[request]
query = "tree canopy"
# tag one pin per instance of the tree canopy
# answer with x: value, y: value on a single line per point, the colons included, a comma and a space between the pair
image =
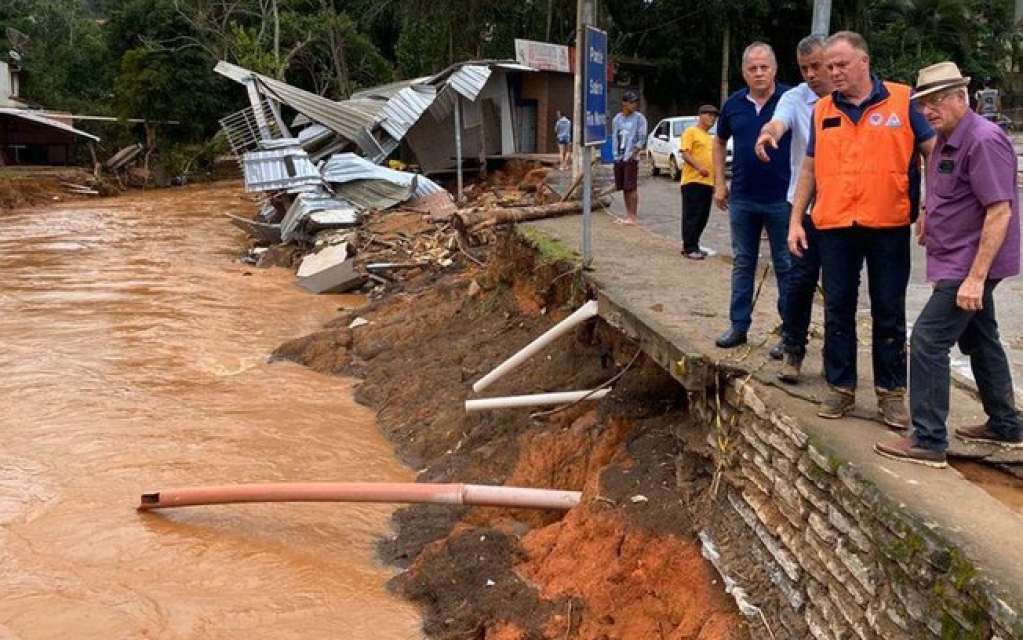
x: 154, y: 59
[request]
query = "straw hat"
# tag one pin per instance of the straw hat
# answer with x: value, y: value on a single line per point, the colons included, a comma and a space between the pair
x: 938, y: 77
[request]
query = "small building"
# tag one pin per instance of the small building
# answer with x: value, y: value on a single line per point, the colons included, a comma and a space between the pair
x: 32, y: 136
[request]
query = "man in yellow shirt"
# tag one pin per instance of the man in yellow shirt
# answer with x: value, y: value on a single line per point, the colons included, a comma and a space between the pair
x: 697, y: 147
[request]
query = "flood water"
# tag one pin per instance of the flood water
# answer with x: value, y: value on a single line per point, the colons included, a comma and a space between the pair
x: 133, y: 358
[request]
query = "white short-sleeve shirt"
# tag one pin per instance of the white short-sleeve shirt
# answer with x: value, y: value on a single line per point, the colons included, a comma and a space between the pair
x: 795, y: 109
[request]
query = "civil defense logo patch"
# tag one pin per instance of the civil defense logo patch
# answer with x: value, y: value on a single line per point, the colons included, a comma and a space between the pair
x: 893, y: 121
x: 875, y: 119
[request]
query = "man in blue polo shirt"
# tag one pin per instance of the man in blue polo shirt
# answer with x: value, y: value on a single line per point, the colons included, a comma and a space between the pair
x: 757, y: 198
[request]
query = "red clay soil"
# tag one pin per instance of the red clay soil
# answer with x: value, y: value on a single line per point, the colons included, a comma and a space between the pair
x: 623, y: 564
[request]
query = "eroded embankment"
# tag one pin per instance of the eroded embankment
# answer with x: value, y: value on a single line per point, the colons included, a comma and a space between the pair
x: 625, y: 563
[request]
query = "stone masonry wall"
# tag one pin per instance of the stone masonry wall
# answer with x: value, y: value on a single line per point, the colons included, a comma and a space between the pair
x: 816, y: 551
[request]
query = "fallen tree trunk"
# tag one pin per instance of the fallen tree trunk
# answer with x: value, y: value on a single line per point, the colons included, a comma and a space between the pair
x: 501, y: 215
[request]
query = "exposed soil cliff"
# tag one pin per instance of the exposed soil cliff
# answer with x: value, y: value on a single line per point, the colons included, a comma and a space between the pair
x: 623, y: 564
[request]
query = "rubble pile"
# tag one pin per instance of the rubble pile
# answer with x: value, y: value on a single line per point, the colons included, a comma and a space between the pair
x: 338, y: 245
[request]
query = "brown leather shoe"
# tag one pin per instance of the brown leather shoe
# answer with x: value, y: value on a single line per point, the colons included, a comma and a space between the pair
x: 980, y: 434
x: 903, y: 450
x: 837, y: 403
x: 891, y: 404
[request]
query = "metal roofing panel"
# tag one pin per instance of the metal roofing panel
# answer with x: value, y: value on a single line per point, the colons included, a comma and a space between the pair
x: 344, y: 169
x: 35, y: 117
x: 404, y: 109
x: 341, y: 212
x: 469, y: 80
x: 288, y: 169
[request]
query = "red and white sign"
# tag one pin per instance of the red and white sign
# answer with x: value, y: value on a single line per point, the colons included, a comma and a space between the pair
x: 543, y: 56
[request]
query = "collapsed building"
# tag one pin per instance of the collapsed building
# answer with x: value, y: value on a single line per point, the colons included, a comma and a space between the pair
x: 321, y: 170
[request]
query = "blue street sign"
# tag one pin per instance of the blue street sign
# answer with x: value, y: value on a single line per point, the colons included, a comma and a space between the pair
x: 595, y: 91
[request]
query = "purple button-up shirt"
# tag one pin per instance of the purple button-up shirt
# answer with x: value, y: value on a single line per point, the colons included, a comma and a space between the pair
x: 967, y: 172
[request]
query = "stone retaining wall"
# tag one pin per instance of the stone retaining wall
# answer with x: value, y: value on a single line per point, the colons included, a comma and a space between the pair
x: 819, y: 550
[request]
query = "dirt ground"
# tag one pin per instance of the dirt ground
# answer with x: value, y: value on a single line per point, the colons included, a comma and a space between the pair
x: 32, y: 186
x: 623, y: 564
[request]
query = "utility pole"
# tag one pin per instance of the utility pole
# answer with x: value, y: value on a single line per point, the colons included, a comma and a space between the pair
x: 821, y: 25
x: 725, y: 45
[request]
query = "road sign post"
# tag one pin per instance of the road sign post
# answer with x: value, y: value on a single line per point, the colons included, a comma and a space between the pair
x: 594, y: 121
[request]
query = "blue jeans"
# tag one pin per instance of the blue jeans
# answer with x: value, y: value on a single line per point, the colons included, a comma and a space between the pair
x: 747, y: 221
x: 802, y: 288
x: 886, y: 252
x: 942, y: 324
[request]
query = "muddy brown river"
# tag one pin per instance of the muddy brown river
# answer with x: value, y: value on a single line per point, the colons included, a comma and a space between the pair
x: 134, y: 358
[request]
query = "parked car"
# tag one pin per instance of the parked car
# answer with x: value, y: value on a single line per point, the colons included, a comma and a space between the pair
x: 662, y: 146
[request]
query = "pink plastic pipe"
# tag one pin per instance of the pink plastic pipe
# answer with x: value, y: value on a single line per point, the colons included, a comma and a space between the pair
x: 469, y: 494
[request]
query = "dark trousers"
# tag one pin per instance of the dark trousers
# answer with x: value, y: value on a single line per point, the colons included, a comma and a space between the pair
x: 803, y: 279
x: 696, y: 201
x: 942, y: 324
x: 886, y: 253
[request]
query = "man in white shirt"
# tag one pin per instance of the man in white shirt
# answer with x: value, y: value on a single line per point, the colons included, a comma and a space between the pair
x: 795, y: 113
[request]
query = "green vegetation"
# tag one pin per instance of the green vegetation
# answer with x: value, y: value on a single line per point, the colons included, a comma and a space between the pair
x: 550, y: 251
x: 154, y: 59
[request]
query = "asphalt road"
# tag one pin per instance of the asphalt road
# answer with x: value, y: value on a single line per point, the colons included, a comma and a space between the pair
x: 660, y: 212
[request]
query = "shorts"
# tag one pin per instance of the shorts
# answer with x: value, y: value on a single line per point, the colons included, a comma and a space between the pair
x: 564, y: 140
x: 626, y: 175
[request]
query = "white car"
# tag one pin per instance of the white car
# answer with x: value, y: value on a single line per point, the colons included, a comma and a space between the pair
x: 662, y: 146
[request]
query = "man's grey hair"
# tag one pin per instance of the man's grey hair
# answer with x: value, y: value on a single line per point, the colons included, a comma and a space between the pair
x: 759, y: 45
x: 853, y: 39
x: 809, y: 44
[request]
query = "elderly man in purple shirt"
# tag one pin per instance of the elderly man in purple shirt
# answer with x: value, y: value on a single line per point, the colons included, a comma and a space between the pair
x: 972, y: 237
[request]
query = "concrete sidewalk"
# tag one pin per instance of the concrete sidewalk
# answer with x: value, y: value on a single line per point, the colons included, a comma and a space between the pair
x: 660, y: 212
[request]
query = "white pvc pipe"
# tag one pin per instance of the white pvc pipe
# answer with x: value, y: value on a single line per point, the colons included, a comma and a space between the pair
x: 535, y: 400
x: 584, y: 312
x: 471, y: 494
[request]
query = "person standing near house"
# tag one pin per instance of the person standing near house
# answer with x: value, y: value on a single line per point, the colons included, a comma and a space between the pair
x: 628, y: 131
x: 795, y: 114
x: 697, y: 147
x: 563, y: 134
x: 972, y: 237
x: 859, y: 164
x: 757, y: 197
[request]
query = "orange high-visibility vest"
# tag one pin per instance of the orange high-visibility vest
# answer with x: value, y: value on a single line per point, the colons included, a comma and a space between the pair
x: 862, y: 169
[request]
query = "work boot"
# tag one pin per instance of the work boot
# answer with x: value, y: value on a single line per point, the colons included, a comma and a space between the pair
x: 891, y: 404
x: 790, y: 366
x: 777, y: 352
x: 837, y: 402
x: 904, y: 450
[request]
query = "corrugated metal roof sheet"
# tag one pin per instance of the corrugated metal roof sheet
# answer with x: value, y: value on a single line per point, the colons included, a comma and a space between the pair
x: 289, y: 169
x: 405, y: 108
x: 394, y: 109
x: 35, y: 117
x: 342, y: 213
x: 469, y: 80
x: 347, y: 167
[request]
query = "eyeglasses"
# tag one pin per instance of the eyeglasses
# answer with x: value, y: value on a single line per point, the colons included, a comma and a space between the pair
x: 932, y: 102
